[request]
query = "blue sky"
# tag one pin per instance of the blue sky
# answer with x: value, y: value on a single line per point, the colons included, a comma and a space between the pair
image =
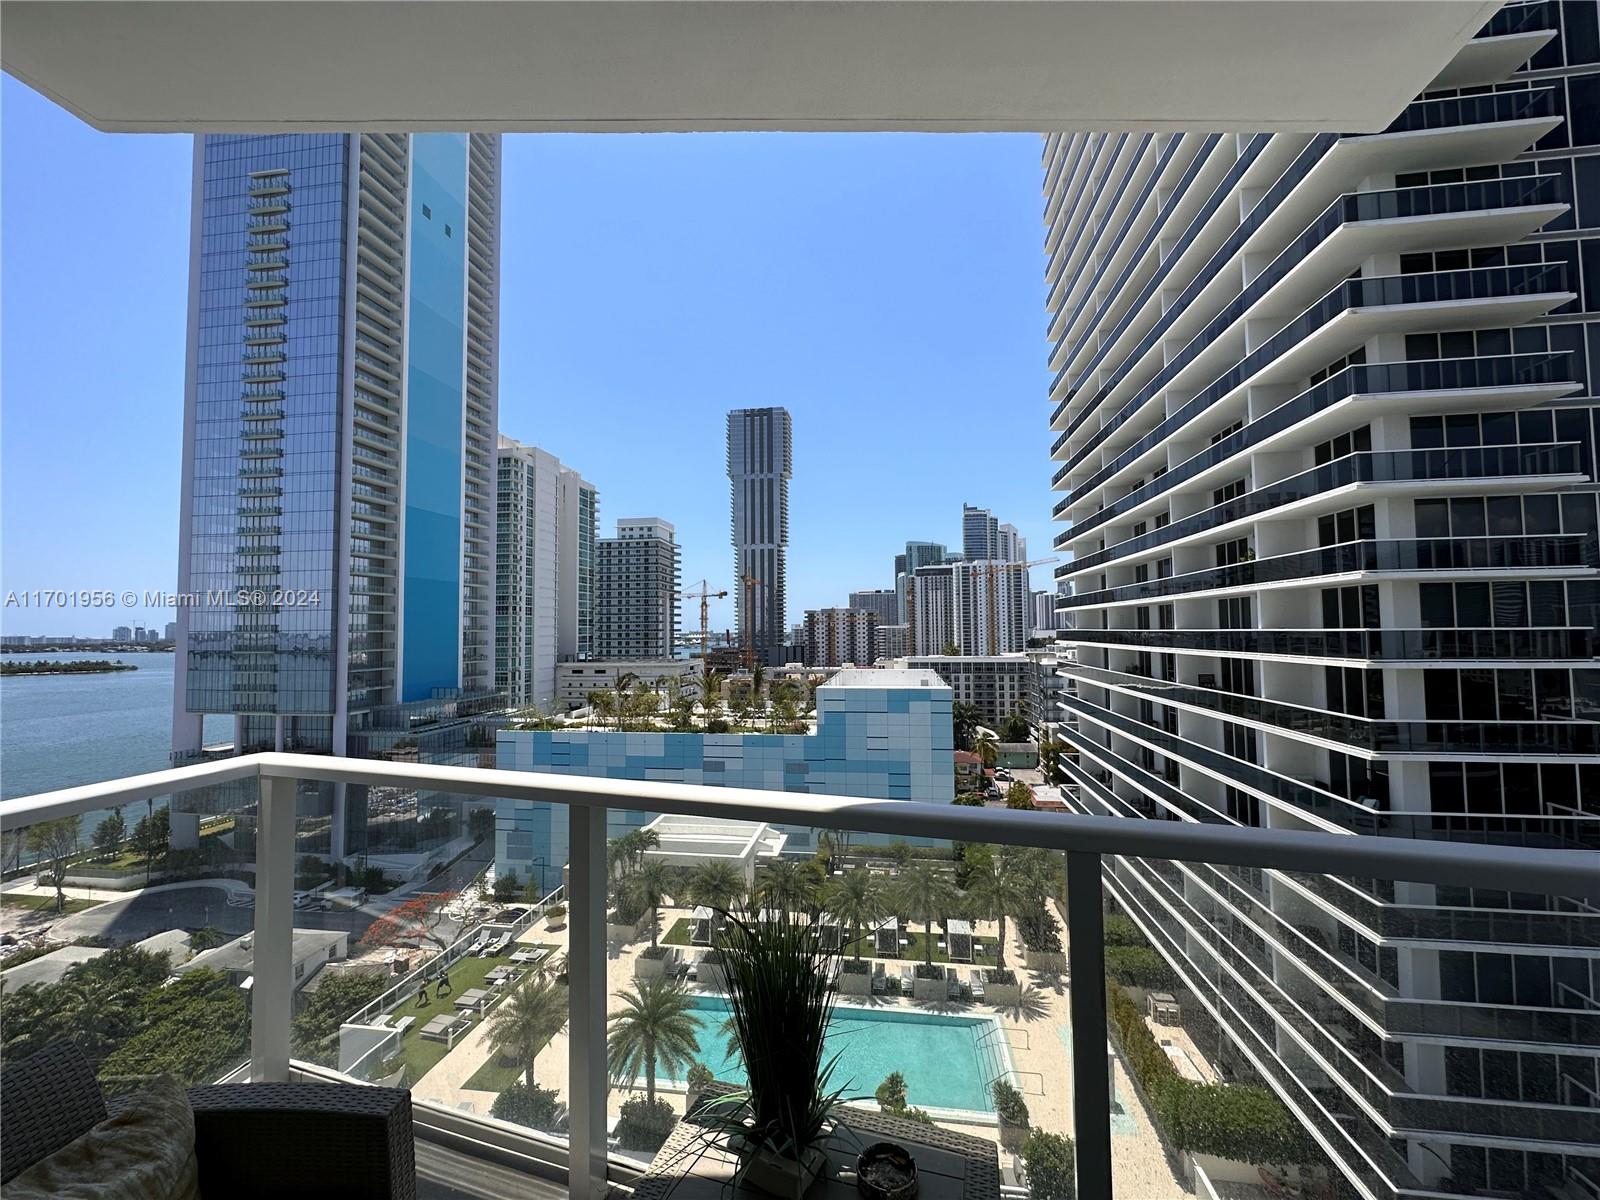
x: 886, y: 289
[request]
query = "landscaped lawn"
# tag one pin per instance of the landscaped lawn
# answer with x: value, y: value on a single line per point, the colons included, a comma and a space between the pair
x: 44, y: 903
x: 422, y: 1054
x: 913, y: 952
x: 678, y: 935
x: 492, y: 1077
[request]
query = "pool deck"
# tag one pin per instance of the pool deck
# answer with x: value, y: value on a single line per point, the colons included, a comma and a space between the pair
x: 1037, y: 1032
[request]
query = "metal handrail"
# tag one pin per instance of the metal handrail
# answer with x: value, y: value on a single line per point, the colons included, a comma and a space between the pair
x: 1084, y: 839
x: 1543, y: 872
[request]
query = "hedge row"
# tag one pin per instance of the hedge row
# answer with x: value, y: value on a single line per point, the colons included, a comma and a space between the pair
x: 1139, y: 966
x: 1240, y: 1121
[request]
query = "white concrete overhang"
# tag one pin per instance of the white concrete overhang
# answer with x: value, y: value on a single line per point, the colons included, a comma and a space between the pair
x: 1490, y: 60
x: 1342, y: 578
x: 1332, y: 340
x: 1337, y: 418
x: 1332, y: 500
x: 584, y: 65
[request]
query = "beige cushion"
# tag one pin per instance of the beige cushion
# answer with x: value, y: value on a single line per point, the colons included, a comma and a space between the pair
x: 144, y: 1153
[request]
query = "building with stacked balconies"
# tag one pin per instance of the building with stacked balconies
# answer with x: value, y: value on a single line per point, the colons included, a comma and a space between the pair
x: 338, y: 495
x: 1325, y: 427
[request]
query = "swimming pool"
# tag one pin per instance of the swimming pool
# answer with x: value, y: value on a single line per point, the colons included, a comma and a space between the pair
x: 948, y: 1061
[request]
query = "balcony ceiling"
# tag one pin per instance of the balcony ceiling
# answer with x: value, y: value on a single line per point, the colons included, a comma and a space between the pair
x: 160, y: 66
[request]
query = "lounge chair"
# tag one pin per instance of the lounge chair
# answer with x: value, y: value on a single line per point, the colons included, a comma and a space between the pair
x: 952, y: 984
x: 977, y: 985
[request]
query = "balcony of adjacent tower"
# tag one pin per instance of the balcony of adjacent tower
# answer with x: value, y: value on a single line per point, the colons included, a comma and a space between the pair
x: 1357, y: 478
x: 1340, y: 322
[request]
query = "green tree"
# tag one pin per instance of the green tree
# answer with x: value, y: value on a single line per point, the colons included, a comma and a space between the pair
x: 314, y: 1034
x: 681, y: 716
x: 647, y: 888
x: 109, y: 833
x: 891, y: 1093
x: 710, y: 689
x: 195, y: 1027
x: 1014, y: 728
x: 535, y: 1107
x: 997, y: 888
x: 964, y: 720
x: 951, y: 650
x: 526, y: 1021
x: 1019, y: 795
x: 987, y: 754
x: 603, y: 704
x: 506, y: 888
x: 925, y: 894
x: 856, y: 899
x: 787, y: 884
x: 717, y: 885
x: 1051, y: 1162
x: 151, y: 836
x: 480, y: 823
x: 620, y: 688
x: 654, y: 1027
x: 55, y: 842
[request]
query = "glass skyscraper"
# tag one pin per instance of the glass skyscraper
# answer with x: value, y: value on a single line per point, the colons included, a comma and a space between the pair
x: 337, y: 552
x: 760, y: 458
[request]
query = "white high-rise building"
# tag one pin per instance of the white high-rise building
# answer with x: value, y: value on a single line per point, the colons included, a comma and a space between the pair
x: 636, y: 590
x: 837, y: 636
x: 546, y: 514
x: 978, y: 607
x: 1324, y: 422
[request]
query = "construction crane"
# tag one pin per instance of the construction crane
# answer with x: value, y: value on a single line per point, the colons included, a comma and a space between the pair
x: 991, y: 572
x: 705, y: 595
x: 750, y: 583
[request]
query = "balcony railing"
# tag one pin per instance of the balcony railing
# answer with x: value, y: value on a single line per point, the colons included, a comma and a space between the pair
x: 1365, y: 467
x: 1380, y: 737
x: 1495, y: 373
x: 1565, y: 551
x: 1084, y: 840
x: 1377, y: 645
x: 1487, y: 109
x: 1384, y: 291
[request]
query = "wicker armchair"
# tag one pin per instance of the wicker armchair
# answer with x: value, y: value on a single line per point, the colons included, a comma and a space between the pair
x: 252, y: 1140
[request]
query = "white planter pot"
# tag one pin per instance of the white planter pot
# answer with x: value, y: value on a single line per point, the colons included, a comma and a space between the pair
x: 854, y: 985
x: 1002, y: 994
x: 1045, y: 962
x: 929, y: 989
x: 648, y: 968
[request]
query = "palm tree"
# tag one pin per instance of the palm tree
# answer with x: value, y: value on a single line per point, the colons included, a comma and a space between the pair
x: 603, y: 703
x: 998, y: 886
x: 527, y: 1020
x: 654, y: 1026
x: 856, y: 898
x: 987, y: 753
x: 787, y: 884
x: 964, y: 717
x: 758, y: 682
x: 710, y: 688
x: 926, y: 894
x: 619, y: 691
x: 648, y: 888
x: 716, y: 885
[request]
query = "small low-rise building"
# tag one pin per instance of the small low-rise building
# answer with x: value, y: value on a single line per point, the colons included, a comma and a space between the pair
x: 312, y: 949
x: 575, y: 680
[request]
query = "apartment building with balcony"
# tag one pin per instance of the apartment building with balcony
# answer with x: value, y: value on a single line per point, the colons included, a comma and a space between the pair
x: 339, y: 432
x: 544, y: 570
x: 1325, y: 427
x: 636, y: 590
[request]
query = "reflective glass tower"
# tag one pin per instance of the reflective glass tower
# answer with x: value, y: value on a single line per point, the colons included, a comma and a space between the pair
x: 337, y: 545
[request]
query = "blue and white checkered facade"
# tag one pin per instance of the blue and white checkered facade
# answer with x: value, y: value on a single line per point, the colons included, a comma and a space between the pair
x: 883, y: 735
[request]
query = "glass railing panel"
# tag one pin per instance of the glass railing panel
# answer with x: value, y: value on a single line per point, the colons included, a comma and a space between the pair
x: 1489, y: 108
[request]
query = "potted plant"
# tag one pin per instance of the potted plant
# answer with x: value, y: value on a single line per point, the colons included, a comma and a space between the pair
x: 700, y: 1078
x: 556, y: 916
x: 1012, y: 1111
x: 652, y: 961
x: 778, y: 972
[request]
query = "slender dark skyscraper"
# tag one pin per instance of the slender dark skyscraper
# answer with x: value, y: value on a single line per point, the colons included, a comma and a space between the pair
x: 760, y: 457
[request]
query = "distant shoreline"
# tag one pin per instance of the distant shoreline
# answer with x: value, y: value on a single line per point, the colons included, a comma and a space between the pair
x: 41, y: 666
